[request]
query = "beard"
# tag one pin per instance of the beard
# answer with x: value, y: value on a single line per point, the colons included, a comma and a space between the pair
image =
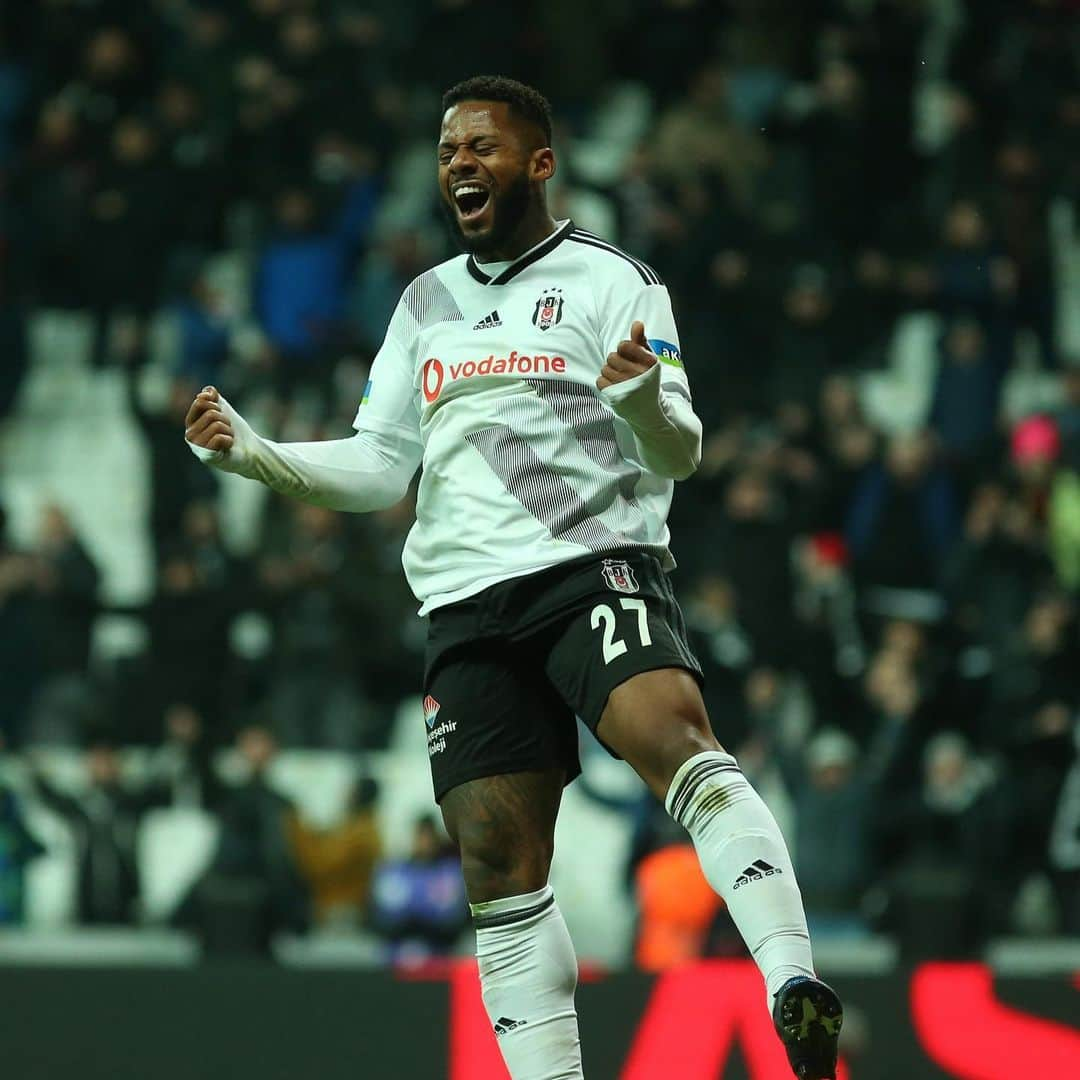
x: 508, y: 210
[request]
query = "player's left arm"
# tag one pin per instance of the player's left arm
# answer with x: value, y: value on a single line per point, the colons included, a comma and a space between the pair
x: 643, y: 380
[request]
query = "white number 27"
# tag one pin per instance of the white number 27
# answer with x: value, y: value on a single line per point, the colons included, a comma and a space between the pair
x: 614, y: 647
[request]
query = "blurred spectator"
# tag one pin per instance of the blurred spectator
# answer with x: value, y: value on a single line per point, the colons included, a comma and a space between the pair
x: 192, y: 150
x: 339, y: 862
x: 964, y: 413
x: 1068, y: 418
x: 18, y: 848
x: 62, y: 607
x: 804, y: 344
x: 970, y: 273
x: 200, y: 539
x: 182, y: 766
x: 104, y: 820
x: 677, y: 907
x: 302, y: 277
x: 65, y: 581
x: 698, y: 133
x: 831, y: 650
x: 312, y: 583
x: 385, y: 273
x: 838, y: 133
x: 945, y: 842
x: 1034, y: 691
x: 21, y: 665
x: 253, y: 889
x: 834, y: 801
x: 994, y: 567
x: 50, y: 186
x: 418, y: 903
x: 176, y: 476
x: 753, y: 548
x: 1024, y: 199
x: 203, y: 332
x: 189, y: 619
x: 721, y: 644
x: 122, y: 240
x: 1065, y: 844
x: 1035, y: 445
x: 848, y: 446
x: 903, y: 518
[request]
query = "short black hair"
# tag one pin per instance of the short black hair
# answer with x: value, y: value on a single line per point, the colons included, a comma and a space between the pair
x: 527, y: 102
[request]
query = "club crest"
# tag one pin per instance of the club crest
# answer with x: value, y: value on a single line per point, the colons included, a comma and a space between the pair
x: 548, y: 309
x: 619, y: 577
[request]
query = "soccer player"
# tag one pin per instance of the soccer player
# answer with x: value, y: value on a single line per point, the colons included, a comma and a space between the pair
x: 537, y: 380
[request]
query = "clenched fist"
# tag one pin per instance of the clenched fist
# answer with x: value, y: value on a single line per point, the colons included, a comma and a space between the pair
x: 633, y: 358
x: 206, y: 425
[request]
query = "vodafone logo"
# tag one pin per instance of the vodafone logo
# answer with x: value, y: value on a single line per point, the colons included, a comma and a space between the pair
x: 434, y: 372
x: 433, y: 379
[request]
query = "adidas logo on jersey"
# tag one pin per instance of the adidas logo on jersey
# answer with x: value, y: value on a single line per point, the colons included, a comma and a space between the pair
x: 488, y: 321
x: 759, y: 870
x: 505, y: 1024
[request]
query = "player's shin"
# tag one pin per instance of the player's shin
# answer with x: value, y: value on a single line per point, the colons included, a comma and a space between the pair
x: 745, y: 859
x: 528, y: 974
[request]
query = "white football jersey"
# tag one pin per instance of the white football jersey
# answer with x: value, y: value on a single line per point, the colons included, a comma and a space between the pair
x: 489, y: 375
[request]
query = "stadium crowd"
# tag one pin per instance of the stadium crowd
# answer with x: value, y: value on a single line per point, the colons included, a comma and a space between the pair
x: 884, y: 599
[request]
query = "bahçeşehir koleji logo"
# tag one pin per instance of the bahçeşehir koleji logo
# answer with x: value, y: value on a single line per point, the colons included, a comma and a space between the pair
x: 431, y: 710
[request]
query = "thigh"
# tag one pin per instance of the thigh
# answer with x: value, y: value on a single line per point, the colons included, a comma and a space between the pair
x: 504, y: 827
x: 614, y: 636
x: 490, y: 711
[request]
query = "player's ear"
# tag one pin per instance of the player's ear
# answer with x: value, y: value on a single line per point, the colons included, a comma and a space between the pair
x: 542, y: 164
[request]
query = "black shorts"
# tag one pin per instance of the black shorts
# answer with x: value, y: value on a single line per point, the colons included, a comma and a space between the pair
x: 508, y: 670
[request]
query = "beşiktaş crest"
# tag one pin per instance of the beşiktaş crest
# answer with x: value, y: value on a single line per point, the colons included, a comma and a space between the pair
x: 548, y: 310
x: 619, y: 577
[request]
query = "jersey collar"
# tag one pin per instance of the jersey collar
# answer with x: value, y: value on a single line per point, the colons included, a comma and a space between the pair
x: 532, y: 255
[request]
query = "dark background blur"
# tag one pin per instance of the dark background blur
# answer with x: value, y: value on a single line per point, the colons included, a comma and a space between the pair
x: 866, y: 213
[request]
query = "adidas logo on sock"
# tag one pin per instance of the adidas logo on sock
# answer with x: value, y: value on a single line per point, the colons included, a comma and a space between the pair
x: 505, y: 1024
x: 488, y: 321
x: 760, y: 869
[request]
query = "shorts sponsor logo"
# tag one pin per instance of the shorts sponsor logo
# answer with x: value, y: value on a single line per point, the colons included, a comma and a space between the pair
x: 431, y: 710
x: 436, y: 738
x: 435, y: 372
x: 548, y: 311
x: 666, y: 353
x: 619, y: 577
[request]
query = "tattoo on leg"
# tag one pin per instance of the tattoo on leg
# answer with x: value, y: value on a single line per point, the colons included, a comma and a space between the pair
x: 504, y: 828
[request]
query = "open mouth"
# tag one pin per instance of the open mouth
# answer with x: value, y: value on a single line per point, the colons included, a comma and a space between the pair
x: 471, y: 200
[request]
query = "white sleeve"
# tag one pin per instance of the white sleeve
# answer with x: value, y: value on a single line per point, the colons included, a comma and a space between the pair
x: 369, y: 471
x: 657, y: 405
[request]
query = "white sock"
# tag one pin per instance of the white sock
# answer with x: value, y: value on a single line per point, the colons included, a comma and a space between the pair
x: 528, y: 974
x: 745, y: 859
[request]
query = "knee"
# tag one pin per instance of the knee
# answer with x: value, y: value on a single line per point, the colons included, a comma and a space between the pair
x: 501, y: 862
x: 689, y: 734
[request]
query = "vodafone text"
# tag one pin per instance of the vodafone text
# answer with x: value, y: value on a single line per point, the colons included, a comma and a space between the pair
x: 435, y: 371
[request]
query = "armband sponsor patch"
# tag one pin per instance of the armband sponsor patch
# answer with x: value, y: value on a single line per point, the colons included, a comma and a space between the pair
x: 365, y: 397
x: 666, y: 353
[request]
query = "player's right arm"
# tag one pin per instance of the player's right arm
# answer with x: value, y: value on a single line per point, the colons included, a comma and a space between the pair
x: 369, y: 471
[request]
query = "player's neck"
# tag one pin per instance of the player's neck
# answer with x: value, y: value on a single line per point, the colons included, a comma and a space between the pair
x: 535, y: 226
